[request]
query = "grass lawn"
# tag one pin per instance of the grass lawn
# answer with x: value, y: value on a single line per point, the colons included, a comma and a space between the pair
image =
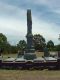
x: 28, y: 74
x: 38, y: 54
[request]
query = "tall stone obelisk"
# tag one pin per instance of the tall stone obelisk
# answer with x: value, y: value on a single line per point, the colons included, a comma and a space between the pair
x: 30, y: 51
x: 29, y: 32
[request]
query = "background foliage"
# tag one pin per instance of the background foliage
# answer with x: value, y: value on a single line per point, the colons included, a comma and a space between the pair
x: 38, y: 40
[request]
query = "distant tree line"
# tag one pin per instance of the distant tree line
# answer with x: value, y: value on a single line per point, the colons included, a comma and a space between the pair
x: 38, y: 41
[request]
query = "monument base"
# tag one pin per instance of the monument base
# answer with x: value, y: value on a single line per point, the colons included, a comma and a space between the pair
x: 29, y: 56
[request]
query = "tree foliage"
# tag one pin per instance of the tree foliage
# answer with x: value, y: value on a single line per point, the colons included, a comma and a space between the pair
x: 39, y: 42
x: 22, y: 45
x: 13, y: 49
x: 57, y: 47
x: 50, y: 45
x: 3, y: 39
x: 4, y: 43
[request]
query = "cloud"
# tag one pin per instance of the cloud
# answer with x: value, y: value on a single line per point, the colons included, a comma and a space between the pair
x: 13, y: 21
x: 48, y: 30
x: 11, y: 10
x: 14, y: 29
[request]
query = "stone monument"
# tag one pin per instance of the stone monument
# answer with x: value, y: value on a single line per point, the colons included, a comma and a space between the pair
x: 30, y: 51
x: 29, y: 36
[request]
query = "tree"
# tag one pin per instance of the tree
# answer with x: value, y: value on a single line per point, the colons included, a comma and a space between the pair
x: 57, y: 47
x: 14, y: 49
x: 50, y: 45
x: 4, y: 43
x: 39, y: 42
x: 3, y: 38
x: 21, y: 45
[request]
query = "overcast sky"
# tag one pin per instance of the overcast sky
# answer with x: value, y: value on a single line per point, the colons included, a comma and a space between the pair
x: 45, y: 17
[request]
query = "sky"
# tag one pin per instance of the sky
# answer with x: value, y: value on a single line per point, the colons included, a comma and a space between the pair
x: 45, y: 19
